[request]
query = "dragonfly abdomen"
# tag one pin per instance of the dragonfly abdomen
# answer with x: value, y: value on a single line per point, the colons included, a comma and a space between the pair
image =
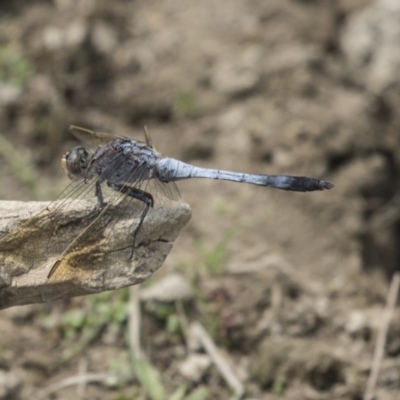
x: 170, y: 169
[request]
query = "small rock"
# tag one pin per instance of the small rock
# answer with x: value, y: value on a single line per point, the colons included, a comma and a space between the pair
x: 53, y: 38
x: 194, y: 366
x: 75, y: 34
x: 170, y: 288
x: 193, y: 342
x: 356, y: 324
x: 9, y: 94
x: 104, y: 38
x: 9, y: 385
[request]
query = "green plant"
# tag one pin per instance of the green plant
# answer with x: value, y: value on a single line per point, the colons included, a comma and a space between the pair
x: 15, y: 68
x: 183, y: 103
x: 278, y: 388
x: 83, y: 324
x: 166, y: 312
x: 151, y: 382
x: 215, y: 258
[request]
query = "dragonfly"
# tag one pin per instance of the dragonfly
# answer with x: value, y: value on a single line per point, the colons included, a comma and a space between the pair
x: 131, y: 174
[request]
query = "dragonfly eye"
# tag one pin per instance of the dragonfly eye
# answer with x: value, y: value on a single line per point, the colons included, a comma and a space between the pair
x: 75, y: 162
x: 83, y: 158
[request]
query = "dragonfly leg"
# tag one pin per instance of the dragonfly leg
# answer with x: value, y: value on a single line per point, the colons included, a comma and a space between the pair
x: 99, y: 195
x: 101, y: 203
x: 137, y: 194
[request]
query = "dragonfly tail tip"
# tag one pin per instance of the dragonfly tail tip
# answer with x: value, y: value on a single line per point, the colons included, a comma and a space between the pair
x: 327, y: 185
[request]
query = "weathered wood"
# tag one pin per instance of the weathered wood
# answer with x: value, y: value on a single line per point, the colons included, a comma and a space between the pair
x: 34, y: 239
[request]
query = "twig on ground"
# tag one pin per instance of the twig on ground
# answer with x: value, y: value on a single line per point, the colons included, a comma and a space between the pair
x: 74, y: 380
x: 183, y: 321
x: 82, y: 371
x: 381, y: 339
x: 223, y: 366
x: 134, y: 324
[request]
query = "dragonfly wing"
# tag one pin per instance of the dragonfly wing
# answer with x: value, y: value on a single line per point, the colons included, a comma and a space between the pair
x: 91, y: 138
x: 166, y: 189
x: 75, y: 215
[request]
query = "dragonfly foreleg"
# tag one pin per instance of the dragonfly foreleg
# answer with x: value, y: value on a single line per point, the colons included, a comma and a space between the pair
x: 101, y: 203
x: 137, y: 194
x: 99, y: 195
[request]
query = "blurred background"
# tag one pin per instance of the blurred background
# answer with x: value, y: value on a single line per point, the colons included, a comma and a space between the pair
x: 291, y: 287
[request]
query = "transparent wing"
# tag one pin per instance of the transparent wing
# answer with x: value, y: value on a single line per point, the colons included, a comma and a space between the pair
x: 162, y: 190
x: 91, y: 138
x: 42, y: 227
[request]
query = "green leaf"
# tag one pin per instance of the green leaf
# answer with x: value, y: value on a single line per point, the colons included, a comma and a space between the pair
x: 173, y: 324
x: 149, y: 377
x: 199, y: 394
x: 179, y: 393
x: 74, y: 318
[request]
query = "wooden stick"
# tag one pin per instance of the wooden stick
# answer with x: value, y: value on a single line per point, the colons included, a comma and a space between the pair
x: 223, y: 366
x: 381, y: 339
x: 76, y: 380
x: 134, y: 324
x: 33, y: 241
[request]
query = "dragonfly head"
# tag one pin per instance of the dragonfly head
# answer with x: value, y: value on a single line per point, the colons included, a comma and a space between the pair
x: 75, y: 162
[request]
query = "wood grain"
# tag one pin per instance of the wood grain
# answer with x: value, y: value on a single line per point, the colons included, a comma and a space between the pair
x: 33, y: 239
